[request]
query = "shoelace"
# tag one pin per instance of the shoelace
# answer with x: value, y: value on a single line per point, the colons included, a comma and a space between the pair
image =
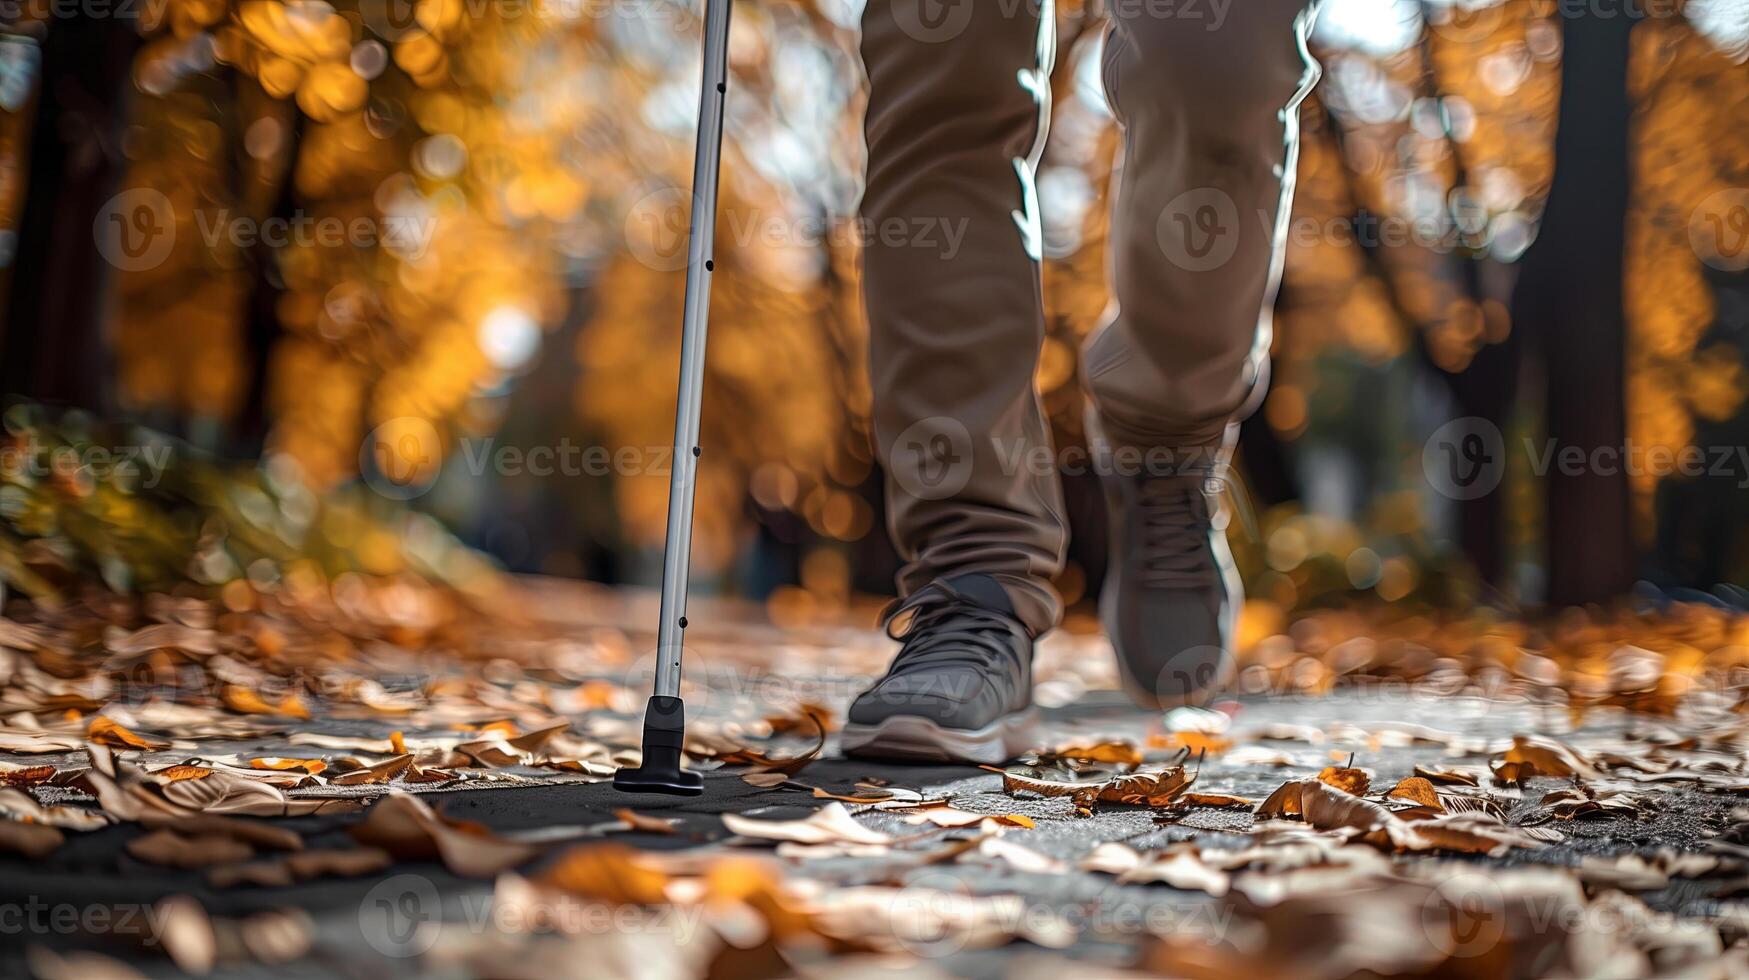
x: 945, y: 629
x: 1174, y: 528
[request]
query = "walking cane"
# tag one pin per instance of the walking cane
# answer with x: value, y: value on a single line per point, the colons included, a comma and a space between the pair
x: 664, y: 715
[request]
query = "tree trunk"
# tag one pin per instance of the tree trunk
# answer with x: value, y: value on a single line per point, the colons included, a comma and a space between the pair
x: 53, y: 332
x: 1569, y: 299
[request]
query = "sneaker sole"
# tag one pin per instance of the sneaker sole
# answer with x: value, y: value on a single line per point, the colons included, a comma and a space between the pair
x: 912, y: 737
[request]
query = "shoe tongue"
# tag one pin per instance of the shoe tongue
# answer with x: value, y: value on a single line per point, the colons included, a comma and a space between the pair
x: 983, y: 590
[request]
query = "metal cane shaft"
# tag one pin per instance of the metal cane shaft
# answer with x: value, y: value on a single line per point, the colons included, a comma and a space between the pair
x: 701, y: 235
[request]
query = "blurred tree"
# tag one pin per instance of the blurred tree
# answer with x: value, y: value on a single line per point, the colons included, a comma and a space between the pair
x: 1570, y: 298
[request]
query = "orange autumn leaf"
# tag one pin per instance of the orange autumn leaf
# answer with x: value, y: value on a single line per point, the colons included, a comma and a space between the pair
x: 311, y: 766
x: 1348, y: 780
x: 245, y: 701
x: 1415, y: 789
x: 607, y: 871
x: 1116, y: 753
x: 26, y: 776
x: 174, y: 774
x: 105, y: 731
x: 1196, y: 742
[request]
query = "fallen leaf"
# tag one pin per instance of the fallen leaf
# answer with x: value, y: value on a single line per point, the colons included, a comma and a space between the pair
x: 29, y: 839
x: 106, y: 732
x: 1222, y: 800
x: 186, y: 933
x: 1548, y: 756
x: 407, y: 828
x: 1416, y: 789
x: 245, y: 701
x: 382, y: 772
x: 647, y: 824
x: 1456, y: 776
x: 1353, y: 781
x: 1158, y: 788
x: 610, y: 872
x: 830, y: 824
x: 22, y: 807
x: 289, y: 869
x: 1118, y: 753
x: 747, y: 756
x: 281, y: 764
x: 172, y: 850
x: 25, y: 775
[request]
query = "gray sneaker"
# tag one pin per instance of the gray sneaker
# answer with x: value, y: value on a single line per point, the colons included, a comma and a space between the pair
x: 1171, y: 598
x: 959, y: 689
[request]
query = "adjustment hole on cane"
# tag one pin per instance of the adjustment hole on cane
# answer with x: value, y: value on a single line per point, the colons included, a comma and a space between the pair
x: 709, y: 265
x: 683, y: 622
x: 696, y: 451
x: 719, y: 86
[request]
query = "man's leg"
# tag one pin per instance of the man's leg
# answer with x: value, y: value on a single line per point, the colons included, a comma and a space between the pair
x: 1210, y: 122
x: 951, y: 277
x: 958, y: 96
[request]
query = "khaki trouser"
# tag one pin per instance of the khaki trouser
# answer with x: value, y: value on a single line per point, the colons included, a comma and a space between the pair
x: 959, y: 97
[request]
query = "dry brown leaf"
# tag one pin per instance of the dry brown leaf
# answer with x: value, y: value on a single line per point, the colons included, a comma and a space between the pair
x: 647, y: 824
x: 1548, y: 756
x: 22, y: 807
x: 171, y: 774
x: 303, y: 866
x: 47, y: 964
x: 29, y: 839
x: 161, y: 636
x: 1018, y: 856
x: 186, y: 933
x: 1117, y: 753
x: 1222, y: 800
x: 1416, y: 789
x: 1158, y: 788
x: 106, y: 732
x: 406, y: 827
x: 246, y: 701
x: 1572, y: 803
x: 1325, y: 807
x: 747, y: 756
x: 1455, y: 776
x: 1354, y: 781
x: 610, y: 872
x: 806, y: 717
x: 831, y: 824
x: 172, y: 850
x: 282, y: 764
x: 878, y: 796
x: 25, y: 775
x: 382, y: 772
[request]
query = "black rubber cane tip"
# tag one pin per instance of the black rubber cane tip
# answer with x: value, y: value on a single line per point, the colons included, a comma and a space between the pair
x: 664, y: 738
x: 673, y: 782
